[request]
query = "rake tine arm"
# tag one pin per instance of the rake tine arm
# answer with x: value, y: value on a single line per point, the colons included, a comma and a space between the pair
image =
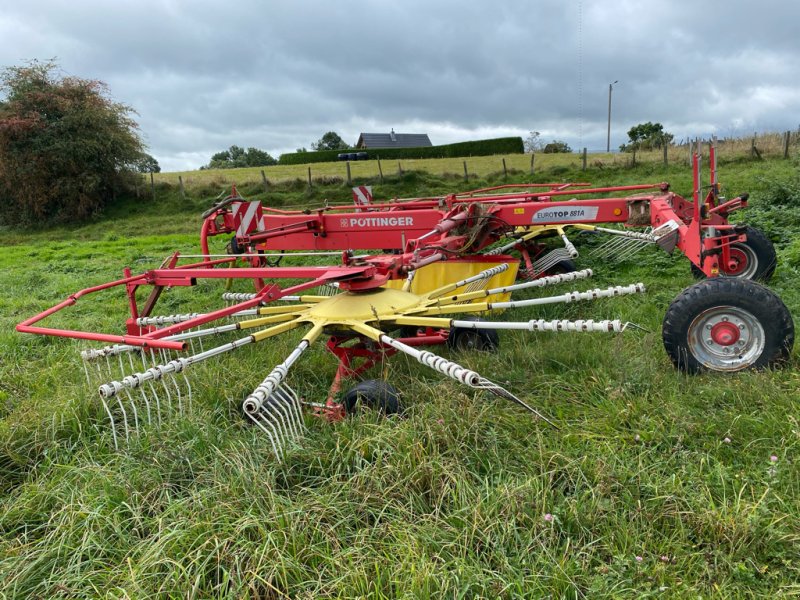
x: 541, y: 282
x: 483, y: 275
x: 446, y: 367
x: 635, y: 288
x: 180, y: 364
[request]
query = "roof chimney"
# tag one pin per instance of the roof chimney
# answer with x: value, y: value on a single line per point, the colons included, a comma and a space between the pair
x: 394, y: 139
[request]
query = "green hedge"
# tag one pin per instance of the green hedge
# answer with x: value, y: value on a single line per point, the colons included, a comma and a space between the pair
x: 509, y: 145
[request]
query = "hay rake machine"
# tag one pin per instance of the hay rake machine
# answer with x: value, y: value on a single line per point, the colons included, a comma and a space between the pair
x: 444, y: 261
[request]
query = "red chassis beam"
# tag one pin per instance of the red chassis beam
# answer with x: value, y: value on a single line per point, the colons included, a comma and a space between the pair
x: 185, y: 276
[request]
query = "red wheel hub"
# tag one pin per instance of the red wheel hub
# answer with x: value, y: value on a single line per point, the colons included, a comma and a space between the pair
x: 737, y: 263
x: 725, y: 333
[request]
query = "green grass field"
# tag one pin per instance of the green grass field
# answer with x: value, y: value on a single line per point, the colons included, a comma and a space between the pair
x: 656, y: 483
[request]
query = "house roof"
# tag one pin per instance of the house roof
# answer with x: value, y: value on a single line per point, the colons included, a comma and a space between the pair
x: 393, y: 140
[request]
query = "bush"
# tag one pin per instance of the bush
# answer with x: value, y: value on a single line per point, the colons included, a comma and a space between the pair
x: 511, y: 145
x: 65, y: 147
x: 557, y: 147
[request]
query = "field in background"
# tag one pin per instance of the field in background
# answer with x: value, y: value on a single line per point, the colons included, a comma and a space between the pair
x: 655, y: 485
x: 768, y: 145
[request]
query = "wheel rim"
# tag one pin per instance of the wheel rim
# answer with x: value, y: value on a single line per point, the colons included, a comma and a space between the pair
x: 726, y: 338
x: 468, y: 340
x: 746, y: 262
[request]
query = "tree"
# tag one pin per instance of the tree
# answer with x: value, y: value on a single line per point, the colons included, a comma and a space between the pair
x: 147, y: 164
x: 646, y: 136
x: 556, y: 147
x: 533, y: 143
x: 236, y: 156
x: 65, y: 147
x: 330, y: 141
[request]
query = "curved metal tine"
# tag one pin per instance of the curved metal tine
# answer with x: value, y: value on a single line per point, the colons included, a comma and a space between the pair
x: 188, y: 391
x: 282, y: 405
x: 294, y: 403
x: 257, y: 420
x: 269, y: 404
x: 141, y: 389
x: 152, y: 387
x: 113, y: 424
x: 124, y: 418
x: 164, y: 360
x: 130, y: 397
x: 86, y: 370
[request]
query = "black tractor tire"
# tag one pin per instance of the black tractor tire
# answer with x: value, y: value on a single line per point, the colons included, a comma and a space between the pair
x: 464, y: 339
x: 375, y: 394
x: 756, y: 258
x: 727, y: 324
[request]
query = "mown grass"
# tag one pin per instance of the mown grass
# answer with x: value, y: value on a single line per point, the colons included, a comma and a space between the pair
x: 655, y: 484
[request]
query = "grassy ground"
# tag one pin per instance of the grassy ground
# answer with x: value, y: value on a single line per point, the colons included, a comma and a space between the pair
x: 656, y: 483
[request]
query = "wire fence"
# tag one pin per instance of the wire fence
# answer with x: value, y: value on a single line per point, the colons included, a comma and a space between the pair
x: 756, y: 147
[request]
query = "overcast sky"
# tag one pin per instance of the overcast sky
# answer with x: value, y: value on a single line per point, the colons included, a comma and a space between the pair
x: 278, y: 74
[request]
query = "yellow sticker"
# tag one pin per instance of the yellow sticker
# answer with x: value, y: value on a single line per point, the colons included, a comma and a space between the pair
x: 715, y: 271
x: 519, y: 211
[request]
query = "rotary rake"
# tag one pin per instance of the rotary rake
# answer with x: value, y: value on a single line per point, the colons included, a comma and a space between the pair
x: 443, y: 259
x: 524, y: 215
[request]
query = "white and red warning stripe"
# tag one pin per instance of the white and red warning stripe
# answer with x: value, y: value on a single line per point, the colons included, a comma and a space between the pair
x: 247, y: 217
x: 362, y: 195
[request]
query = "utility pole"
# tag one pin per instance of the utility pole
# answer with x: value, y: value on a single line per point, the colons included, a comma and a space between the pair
x: 608, y: 137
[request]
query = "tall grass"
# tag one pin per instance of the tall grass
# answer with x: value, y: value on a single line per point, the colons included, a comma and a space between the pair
x: 655, y: 484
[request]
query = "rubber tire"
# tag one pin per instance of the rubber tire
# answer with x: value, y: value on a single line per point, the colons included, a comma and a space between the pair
x: 763, y: 304
x: 760, y: 245
x: 462, y: 339
x: 374, y: 393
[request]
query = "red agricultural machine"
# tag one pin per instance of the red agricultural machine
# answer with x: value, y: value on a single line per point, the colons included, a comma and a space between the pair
x: 440, y: 258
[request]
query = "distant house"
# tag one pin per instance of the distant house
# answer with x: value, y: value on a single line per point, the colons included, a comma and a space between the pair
x: 393, y: 140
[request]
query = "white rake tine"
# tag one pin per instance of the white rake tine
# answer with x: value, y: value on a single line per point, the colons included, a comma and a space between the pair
x: 280, y: 422
x: 191, y: 346
x: 294, y: 402
x: 257, y: 419
x: 113, y: 425
x: 189, y: 391
x: 200, y: 341
x: 280, y: 401
x: 163, y: 383
x: 86, y: 370
x: 124, y: 419
x: 144, y: 396
x: 130, y: 398
x: 153, y: 389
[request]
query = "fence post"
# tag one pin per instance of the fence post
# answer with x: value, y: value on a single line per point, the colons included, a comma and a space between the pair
x: 183, y: 191
x: 584, y: 159
x: 532, y: 155
x: 505, y: 170
x: 399, y: 168
x: 349, y: 180
x: 264, y: 181
x: 309, y: 177
x: 380, y: 170
x: 786, y: 137
x: 466, y: 176
x: 152, y: 185
x: 666, y: 145
x: 633, y: 158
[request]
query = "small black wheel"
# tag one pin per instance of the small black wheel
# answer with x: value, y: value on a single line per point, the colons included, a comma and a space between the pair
x: 565, y: 266
x: 727, y: 324
x: 467, y: 338
x: 373, y: 393
x: 754, y: 259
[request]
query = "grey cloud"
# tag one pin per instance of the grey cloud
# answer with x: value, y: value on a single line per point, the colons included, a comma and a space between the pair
x: 276, y: 75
